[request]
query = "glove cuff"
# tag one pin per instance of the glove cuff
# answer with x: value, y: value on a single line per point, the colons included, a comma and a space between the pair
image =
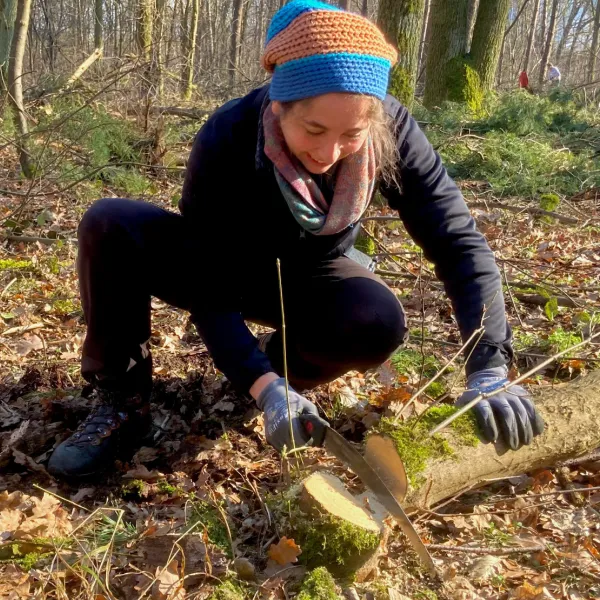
x: 486, y: 377
x: 276, y: 389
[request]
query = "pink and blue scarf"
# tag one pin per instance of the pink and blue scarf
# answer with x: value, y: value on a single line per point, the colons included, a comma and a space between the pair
x: 353, y: 184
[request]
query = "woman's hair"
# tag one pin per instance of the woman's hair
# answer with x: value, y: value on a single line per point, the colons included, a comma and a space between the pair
x: 383, y: 136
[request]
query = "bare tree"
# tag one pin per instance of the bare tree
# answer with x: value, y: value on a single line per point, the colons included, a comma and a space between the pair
x: 15, y: 82
x: 549, y: 40
x: 99, y: 24
x: 8, y: 14
x: 237, y: 27
x: 594, y: 46
x: 190, y: 37
x: 532, y: 32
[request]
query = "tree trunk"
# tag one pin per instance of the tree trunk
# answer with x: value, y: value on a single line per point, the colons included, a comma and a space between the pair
x: 159, y: 46
x: 594, y: 47
x: 567, y: 30
x: 549, y: 41
x: 145, y: 22
x: 8, y: 14
x: 488, y: 36
x: 235, y: 40
x: 191, y: 35
x: 572, y: 415
x: 343, y: 4
x: 98, y: 24
x: 447, y: 40
x: 402, y: 22
x: 15, y: 82
x: 424, y: 31
x: 471, y: 18
x: 364, y: 11
x: 532, y: 31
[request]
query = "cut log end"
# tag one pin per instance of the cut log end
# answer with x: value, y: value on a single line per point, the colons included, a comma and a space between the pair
x: 328, y: 494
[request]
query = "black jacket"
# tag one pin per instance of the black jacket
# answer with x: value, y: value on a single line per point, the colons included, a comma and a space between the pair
x: 232, y: 203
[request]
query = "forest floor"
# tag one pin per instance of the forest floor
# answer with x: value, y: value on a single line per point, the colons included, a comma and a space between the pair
x: 207, y: 470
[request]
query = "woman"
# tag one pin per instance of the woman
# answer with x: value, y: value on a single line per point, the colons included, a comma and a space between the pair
x: 286, y: 172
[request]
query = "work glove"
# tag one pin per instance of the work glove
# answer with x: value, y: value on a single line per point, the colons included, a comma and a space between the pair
x: 273, y: 403
x: 510, y: 413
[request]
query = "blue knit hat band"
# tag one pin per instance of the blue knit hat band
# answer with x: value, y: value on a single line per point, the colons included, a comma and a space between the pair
x: 327, y: 73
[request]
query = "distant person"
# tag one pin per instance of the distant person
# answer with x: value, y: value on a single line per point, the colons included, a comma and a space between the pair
x: 524, y: 81
x: 553, y: 74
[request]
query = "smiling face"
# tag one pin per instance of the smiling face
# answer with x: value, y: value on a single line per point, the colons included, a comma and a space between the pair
x: 322, y: 130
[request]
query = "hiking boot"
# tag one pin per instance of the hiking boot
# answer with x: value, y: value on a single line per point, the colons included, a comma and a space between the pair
x: 116, y: 425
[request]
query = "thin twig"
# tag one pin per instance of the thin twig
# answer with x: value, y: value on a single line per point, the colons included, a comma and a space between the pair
x: 6, y: 288
x: 23, y: 329
x: 488, y: 551
x: 285, y: 366
x: 512, y: 298
x: 441, y: 371
x: 508, y: 385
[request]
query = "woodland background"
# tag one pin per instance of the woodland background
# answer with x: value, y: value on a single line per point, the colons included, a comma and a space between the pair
x: 104, y: 99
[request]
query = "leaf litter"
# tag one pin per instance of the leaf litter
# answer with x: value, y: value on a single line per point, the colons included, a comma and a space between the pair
x: 159, y: 520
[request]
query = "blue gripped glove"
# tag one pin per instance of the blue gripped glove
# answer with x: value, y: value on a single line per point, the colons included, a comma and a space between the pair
x: 273, y: 403
x: 511, y: 412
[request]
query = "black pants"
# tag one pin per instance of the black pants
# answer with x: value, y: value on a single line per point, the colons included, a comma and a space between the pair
x: 339, y: 316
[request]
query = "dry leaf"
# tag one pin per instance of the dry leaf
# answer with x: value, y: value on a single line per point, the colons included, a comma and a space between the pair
x: 49, y: 519
x: 83, y: 493
x: 286, y: 551
x: 15, y: 585
x: 529, y: 592
x: 23, y: 459
x: 483, y: 568
x: 142, y: 472
x: 145, y: 454
x: 29, y: 343
x: 168, y: 584
x: 10, y: 519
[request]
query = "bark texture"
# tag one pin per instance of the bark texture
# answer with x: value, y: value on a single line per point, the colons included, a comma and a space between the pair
x: 447, y: 41
x: 15, y: 82
x: 402, y: 23
x: 487, y: 39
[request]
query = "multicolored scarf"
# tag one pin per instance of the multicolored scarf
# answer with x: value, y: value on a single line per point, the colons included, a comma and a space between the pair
x: 353, y: 184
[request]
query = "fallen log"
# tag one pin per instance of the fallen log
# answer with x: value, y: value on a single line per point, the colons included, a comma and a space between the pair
x: 571, y: 412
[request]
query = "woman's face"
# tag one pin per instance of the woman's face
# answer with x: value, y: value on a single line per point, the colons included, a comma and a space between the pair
x: 322, y: 130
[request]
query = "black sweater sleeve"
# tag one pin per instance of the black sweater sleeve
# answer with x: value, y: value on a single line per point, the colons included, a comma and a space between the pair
x: 216, y: 312
x: 436, y: 216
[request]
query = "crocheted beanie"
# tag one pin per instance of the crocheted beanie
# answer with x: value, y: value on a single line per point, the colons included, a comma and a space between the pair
x: 314, y: 48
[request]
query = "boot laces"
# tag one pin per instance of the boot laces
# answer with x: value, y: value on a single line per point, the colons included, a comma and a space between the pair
x: 99, y: 424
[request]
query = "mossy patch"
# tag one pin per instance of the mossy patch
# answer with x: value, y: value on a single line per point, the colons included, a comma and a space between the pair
x: 329, y: 540
x: 325, y: 540
x: 414, y: 446
x: 65, y: 307
x: 402, y: 85
x: 10, y: 264
x: 365, y: 244
x: 134, y: 489
x: 318, y: 585
x: 164, y: 487
x: 210, y: 518
x: 464, y: 84
x: 228, y: 590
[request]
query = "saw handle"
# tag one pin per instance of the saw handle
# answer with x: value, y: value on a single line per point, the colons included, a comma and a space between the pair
x: 315, y: 427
